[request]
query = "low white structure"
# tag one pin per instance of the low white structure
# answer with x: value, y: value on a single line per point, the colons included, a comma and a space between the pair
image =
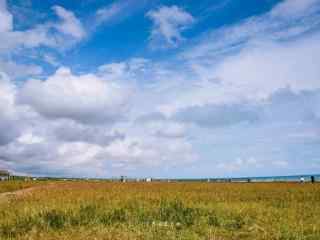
x: 4, y: 175
x: 148, y: 179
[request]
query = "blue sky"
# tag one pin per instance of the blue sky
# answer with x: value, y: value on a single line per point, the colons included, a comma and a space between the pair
x: 160, y: 88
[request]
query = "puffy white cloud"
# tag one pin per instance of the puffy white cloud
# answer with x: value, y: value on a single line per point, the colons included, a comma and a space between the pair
x: 262, y: 69
x: 91, y: 124
x: 168, y: 23
x: 8, y: 128
x: 7, y: 96
x: 71, y: 131
x: 51, y: 60
x: 295, y: 8
x: 219, y: 115
x: 251, y: 74
x: 70, y: 24
x: 85, y: 98
x: 150, y: 152
x: 16, y: 70
x: 168, y: 129
x: 288, y: 19
x: 31, y: 38
x: 240, y: 164
x: 6, y: 19
x: 30, y: 138
x: 68, y: 31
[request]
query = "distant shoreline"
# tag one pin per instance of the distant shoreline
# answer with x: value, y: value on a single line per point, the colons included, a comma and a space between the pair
x: 286, y: 178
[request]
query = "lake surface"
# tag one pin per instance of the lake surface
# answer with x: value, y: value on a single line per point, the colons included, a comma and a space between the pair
x: 293, y: 178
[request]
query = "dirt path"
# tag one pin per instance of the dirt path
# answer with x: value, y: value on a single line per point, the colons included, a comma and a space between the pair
x: 23, y: 192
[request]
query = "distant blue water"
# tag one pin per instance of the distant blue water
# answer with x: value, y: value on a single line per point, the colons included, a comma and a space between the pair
x: 295, y: 178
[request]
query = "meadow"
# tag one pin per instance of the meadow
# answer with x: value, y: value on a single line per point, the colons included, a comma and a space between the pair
x: 9, y: 186
x: 212, y: 211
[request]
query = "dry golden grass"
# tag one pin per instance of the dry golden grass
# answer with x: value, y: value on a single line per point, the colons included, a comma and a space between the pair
x: 9, y: 186
x: 215, y: 211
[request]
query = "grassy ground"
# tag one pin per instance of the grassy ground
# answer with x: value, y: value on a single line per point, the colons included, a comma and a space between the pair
x: 9, y: 186
x: 216, y: 211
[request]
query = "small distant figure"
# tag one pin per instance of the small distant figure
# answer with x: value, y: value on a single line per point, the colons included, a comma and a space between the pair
x: 312, y: 179
x: 249, y: 180
x: 302, y: 180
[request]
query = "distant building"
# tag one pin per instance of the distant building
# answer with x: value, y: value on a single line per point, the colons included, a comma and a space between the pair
x: 4, y: 175
x: 148, y: 179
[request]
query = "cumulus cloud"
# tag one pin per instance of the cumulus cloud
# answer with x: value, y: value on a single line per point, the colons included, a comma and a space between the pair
x: 77, y: 132
x: 70, y: 24
x: 151, y: 151
x: 168, y: 23
x: 157, y: 125
x: 85, y: 98
x: 41, y: 34
x: 251, y: 74
x: 288, y: 19
x: 295, y: 8
x: 240, y: 164
x: 219, y: 115
x: 253, y: 91
x: 6, y: 19
x: 51, y: 60
x: 71, y: 131
x: 8, y: 129
x: 16, y: 70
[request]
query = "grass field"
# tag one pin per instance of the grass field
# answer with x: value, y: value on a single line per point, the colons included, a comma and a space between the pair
x: 9, y: 186
x: 220, y: 211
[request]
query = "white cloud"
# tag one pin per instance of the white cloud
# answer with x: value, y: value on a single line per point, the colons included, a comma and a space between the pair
x: 114, y: 71
x: 8, y: 119
x: 280, y: 163
x: 124, y: 117
x: 70, y: 24
x: 6, y: 19
x: 71, y: 131
x: 262, y: 69
x: 240, y: 164
x: 78, y: 153
x: 295, y: 8
x: 168, y: 23
x: 151, y: 152
x: 249, y: 74
x: 168, y: 129
x: 85, y: 98
x: 68, y: 31
x: 19, y: 70
x: 288, y: 19
x: 7, y: 96
x: 51, y: 60
x: 117, y: 11
x: 30, y: 138
x: 110, y: 12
